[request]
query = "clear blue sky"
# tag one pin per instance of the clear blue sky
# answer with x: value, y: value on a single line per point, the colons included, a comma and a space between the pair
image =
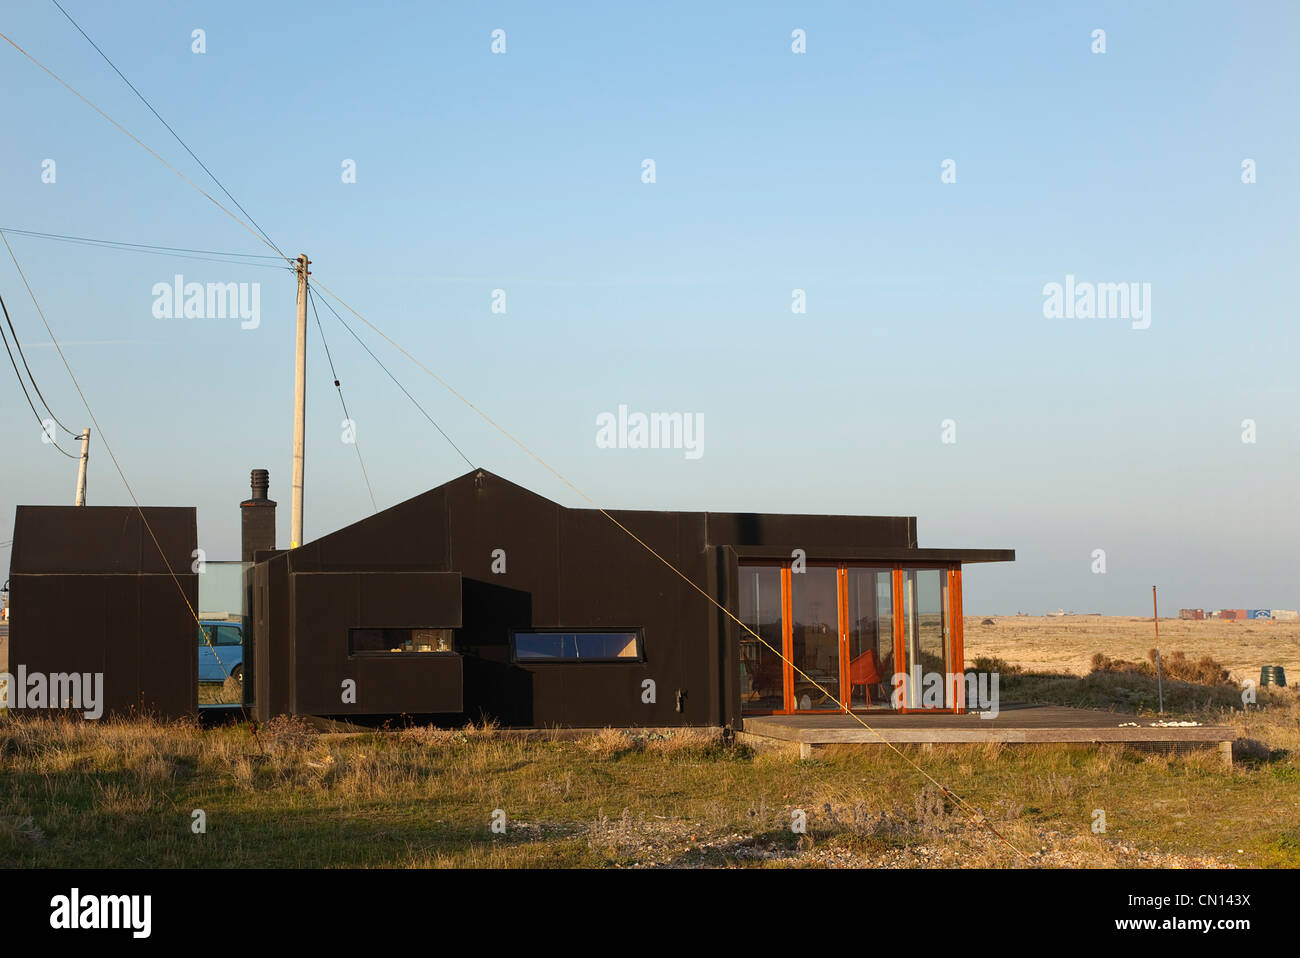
x: 775, y: 171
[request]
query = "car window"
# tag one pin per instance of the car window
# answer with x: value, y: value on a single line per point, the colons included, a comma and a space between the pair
x: 208, y: 631
x: 229, y: 635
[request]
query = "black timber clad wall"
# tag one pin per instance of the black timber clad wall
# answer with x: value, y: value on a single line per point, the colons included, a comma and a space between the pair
x: 809, y: 532
x: 410, y: 536
x: 271, y: 637
x: 724, y: 637
x: 91, y: 593
x: 609, y: 581
x: 102, y: 540
x: 483, y: 517
x: 575, y: 569
x: 326, y: 605
x: 565, y: 568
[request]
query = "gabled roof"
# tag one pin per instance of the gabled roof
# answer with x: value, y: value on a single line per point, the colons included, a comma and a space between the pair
x: 417, y: 531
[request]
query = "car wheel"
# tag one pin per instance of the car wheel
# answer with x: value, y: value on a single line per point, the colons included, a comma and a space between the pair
x: 237, y: 673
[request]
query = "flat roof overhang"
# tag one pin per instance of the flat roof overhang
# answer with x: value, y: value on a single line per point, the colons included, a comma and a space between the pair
x: 877, y: 554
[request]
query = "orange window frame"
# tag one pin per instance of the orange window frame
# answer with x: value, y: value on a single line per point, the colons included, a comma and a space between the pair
x: 956, y: 638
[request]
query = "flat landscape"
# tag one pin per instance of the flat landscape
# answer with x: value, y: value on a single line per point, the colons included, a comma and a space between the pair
x: 1068, y: 643
x: 127, y: 793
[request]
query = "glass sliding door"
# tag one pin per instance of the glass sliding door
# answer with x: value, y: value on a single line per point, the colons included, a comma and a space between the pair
x: 870, y: 627
x: 927, y: 645
x: 815, y: 639
x: 762, y: 676
x: 836, y: 635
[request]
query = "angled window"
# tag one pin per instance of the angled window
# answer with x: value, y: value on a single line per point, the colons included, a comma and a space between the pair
x: 557, y: 645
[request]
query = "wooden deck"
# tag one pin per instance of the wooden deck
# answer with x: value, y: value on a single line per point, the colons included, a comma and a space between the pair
x: 1014, y: 724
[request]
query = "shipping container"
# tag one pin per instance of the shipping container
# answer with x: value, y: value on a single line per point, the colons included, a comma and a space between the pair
x: 1258, y: 614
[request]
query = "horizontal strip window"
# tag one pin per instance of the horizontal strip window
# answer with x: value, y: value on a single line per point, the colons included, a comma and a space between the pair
x: 556, y: 645
x: 399, y: 641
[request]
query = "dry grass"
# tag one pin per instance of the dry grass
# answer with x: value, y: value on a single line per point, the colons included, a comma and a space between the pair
x: 613, y: 742
x: 229, y: 692
x: 111, y: 794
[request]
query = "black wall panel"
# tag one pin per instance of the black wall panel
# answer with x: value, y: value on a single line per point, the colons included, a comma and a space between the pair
x: 326, y: 606
x: 91, y: 593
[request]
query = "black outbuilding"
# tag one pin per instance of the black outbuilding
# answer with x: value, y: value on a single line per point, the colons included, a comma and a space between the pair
x: 97, y: 594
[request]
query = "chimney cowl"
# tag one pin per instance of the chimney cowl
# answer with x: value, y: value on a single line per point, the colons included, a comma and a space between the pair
x: 261, y: 482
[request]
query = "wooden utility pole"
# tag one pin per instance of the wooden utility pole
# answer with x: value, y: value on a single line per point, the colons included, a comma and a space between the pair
x: 81, y: 468
x: 299, y: 406
x: 1155, y: 615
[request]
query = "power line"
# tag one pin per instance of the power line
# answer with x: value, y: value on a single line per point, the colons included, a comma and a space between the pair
x: 103, y: 438
x: 335, y: 376
x: 168, y: 125
x: 172, y: 249
x: 178, y: 251
x: 19, y: 345
x: 139, y: 142
x: 399, y: 385
x: 21, y: 383
x: 976, y: 817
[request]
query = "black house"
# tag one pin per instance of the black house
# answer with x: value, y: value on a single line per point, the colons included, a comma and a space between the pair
x: 480, y: 599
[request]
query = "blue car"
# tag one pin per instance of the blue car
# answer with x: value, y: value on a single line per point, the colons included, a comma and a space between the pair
x: 221, y: 652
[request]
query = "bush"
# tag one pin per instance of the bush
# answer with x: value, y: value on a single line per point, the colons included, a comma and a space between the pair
x: 991, y: 663
x: 1175, y: 665
x: 286, y: 734
x: 1205, y: 671
x: 1104, y: 663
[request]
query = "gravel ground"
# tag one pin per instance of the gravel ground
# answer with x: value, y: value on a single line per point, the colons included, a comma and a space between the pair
x: 633, y: 843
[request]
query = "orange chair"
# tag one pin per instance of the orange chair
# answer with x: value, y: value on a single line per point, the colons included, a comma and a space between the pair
x: 865, y: 671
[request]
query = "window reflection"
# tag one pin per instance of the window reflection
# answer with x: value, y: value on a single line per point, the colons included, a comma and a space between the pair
x: 761, y: 678
x: 871, y: 637
x: 925, y: 637
x: 815, y: 638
